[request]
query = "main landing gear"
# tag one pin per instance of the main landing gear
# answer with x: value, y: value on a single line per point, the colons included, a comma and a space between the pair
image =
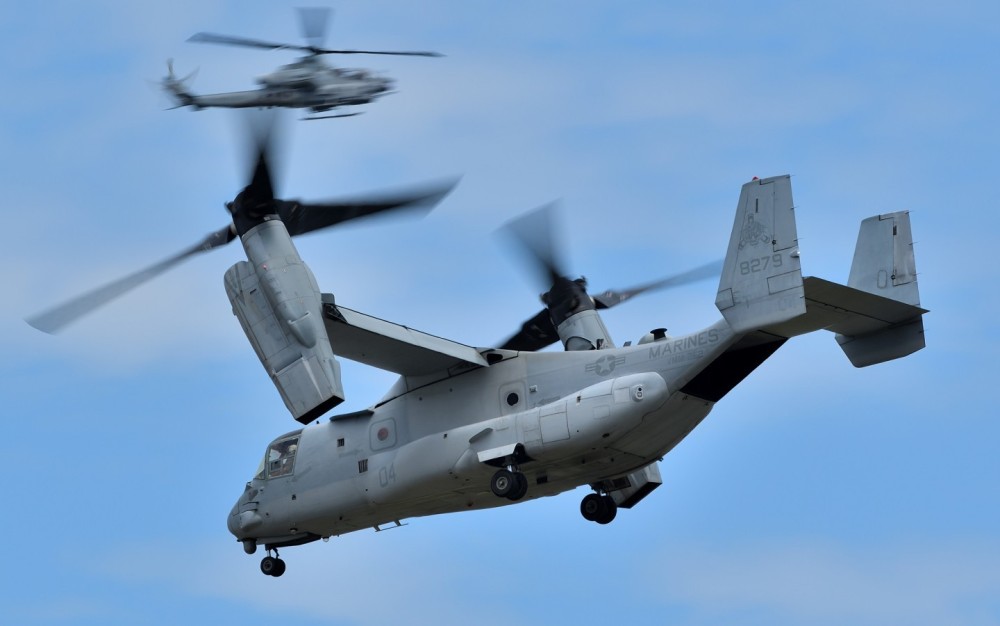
x: 510, y: 484
x: 272, y: 565
x: 598, y: 508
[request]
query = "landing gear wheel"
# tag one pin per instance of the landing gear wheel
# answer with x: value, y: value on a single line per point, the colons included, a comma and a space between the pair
x: 272, y: 566
x: 520, y: 487
x: 280, y: 569
x: 503, y: 483
x: 609, y: 511
x: 591, y: 507
x: 598, y: 508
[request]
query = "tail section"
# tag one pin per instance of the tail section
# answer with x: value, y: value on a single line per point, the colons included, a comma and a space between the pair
x: 177, y: 87
x: 876, y: 317
x: 884, y: 265
x: 761, y: 281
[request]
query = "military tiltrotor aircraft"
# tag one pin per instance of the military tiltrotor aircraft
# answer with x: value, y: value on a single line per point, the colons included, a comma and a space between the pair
x: 471, y: 428
x: 308, y: 83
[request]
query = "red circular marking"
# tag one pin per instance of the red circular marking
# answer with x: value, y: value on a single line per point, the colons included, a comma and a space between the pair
x: 383, y: 433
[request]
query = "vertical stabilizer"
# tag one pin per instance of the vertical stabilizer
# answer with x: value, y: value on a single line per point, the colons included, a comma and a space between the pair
x: 761, y: 280
x: 883, y: 259
x: 884, y: 265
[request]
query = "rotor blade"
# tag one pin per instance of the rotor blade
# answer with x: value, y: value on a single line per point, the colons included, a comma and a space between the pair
x: 229, y: 40
x: 314, y: 21
x: 535, y: 334
x: 244, y: 41
x: 393, y: 53
x: 533, y: 231
x: 301, y: 217
x: 55, y: 319
x: 613, y: 297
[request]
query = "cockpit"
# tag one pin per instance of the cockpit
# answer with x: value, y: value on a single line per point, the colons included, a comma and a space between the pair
x: 279, y: 460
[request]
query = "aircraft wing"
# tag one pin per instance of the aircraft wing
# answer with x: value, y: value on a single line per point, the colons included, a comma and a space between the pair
x: 392, y: 347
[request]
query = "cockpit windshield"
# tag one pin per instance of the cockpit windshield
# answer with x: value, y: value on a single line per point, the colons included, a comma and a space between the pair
x: 279, y: 460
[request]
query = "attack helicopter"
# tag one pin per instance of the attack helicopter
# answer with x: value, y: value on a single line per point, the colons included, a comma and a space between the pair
x: 307, y: 83
x: 467, y: 428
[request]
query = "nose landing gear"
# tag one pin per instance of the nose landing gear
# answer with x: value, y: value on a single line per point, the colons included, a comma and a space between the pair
x: 272, y: 565
x: 510, y: 484
x: 598, y: 508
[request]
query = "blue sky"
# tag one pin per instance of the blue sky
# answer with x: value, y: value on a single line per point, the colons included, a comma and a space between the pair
x: 814, y: 493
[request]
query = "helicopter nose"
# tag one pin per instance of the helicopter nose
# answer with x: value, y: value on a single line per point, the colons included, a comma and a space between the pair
x: 244, y: 516
x: 232, y: 522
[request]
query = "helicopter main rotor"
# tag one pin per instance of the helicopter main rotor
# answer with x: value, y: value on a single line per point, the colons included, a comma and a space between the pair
x: 314, y: 21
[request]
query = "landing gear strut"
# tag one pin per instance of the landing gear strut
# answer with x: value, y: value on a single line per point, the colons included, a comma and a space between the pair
x: 272, y: 565
x: 510, y: 484
x: 598, y: 508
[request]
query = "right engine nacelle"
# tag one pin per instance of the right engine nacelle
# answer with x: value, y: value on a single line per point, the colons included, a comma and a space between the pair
x: 280, y: 311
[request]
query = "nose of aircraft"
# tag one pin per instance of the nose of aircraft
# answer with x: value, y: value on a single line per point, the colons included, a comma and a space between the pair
x: 244, y: 516
x: 232, y: 522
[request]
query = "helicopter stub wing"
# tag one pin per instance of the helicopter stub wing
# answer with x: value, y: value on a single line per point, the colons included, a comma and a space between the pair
x: 393, y: 347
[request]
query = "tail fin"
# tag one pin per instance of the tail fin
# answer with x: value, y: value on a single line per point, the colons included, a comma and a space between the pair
x: 883, y: 259
x: 761, y: 281
x: 884, y: 265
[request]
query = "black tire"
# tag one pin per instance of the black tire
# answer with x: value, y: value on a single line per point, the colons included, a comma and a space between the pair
x: 608, y: 510
x: 268, y: 565
x: 591, y: 507
x: 503, y: 483
x: 279, y: 568
x: 520, y: 487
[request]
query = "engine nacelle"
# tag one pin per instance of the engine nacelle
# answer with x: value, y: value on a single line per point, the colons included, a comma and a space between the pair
x: 594, y: 416
x: 277, y: 301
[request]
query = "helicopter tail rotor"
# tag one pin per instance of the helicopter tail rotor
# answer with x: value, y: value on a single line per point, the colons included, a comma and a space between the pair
x: 177, y: 88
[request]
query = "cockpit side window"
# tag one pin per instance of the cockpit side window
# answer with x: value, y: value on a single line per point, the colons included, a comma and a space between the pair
x: 280, y: 458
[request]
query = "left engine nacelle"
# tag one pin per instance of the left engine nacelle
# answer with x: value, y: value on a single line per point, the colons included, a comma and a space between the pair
x: 277, y: 301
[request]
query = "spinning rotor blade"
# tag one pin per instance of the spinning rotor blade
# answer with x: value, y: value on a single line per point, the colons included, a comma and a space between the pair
x: 250, y: 207
x: 313, y: 21
x: 533, y: 233
x: 392, y: 53
x: 536, y: 333
x: 566, y: 297
x: 539, y: 331
x: 55, y: 319
x: 267, y: 45
x: 612, y: 297
x: 302, y: 217
x: 243, y: 41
